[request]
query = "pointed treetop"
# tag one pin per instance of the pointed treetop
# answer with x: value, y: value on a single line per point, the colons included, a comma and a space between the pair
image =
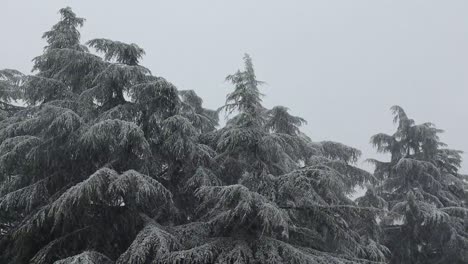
x: 65, y: 34
x: 249, y: 66
x: 246, y: 97
x: 401, y: 118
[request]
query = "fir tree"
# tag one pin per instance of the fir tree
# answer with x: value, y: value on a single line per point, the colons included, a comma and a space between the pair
x: 423, y: 190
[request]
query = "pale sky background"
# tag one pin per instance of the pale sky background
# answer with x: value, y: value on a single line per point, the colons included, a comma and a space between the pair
x: 340, y: 64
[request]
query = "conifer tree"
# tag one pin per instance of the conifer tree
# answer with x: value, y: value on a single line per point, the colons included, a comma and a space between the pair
x: 264, y: 214
x: 423, y: 191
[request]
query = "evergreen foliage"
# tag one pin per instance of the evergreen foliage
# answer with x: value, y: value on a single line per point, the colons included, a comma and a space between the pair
x: 10, y: 90
x: 108, y: 163
x: 422, y: 189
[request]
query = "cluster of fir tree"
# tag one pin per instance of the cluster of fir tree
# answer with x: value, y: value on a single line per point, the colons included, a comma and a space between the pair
x: 108, y: 163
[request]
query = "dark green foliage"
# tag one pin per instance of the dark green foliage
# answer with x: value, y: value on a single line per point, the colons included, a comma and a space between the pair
x: 423, y: 191
x: 123, y: 53
x: 64, y: 60
x: 65, y: 33
x: 10, y: 82
x: 205, y: 120
x: 246, y: 96
x: 110, y: 164
x: 10, y: 90
x: 280, y: 121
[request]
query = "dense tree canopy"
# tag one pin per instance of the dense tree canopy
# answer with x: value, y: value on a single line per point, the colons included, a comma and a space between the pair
x: 424, y: 193
x: 108, y: 163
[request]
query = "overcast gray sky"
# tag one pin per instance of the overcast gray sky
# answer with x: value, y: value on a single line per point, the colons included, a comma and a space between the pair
x: 340, y: 64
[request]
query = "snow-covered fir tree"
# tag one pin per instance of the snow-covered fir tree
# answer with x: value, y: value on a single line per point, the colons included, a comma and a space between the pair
x: 108, y: 163
x: 425, y: 194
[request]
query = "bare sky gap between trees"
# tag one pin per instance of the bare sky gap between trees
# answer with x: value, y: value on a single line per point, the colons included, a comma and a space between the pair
x: 338, y: 64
